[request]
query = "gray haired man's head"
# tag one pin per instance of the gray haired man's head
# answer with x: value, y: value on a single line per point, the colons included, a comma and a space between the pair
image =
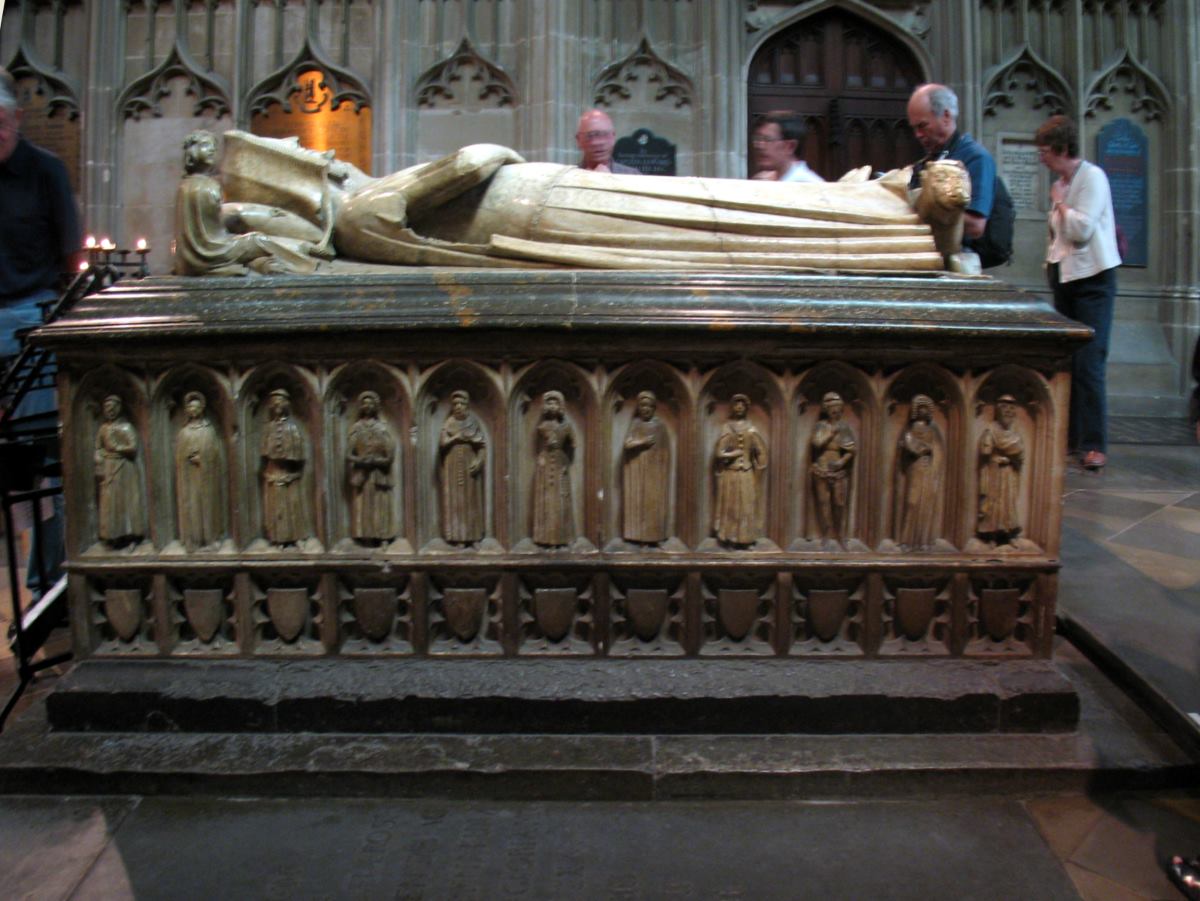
x: 942, y: 100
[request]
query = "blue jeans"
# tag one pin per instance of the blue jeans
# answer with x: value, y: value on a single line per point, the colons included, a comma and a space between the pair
x: 1090, y: 301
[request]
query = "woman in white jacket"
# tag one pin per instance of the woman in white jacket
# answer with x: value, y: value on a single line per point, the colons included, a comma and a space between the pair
x: 1082, y: 261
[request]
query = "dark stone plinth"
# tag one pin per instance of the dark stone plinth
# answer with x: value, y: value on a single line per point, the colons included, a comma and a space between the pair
x: 565, y: 697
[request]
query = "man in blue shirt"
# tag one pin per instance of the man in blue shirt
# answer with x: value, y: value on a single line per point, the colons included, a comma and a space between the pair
x: 39, y: 231
x: 933, y: 117
x: 39, y: 240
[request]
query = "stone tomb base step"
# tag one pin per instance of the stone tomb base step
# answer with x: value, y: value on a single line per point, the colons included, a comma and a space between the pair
x: 650, y: 697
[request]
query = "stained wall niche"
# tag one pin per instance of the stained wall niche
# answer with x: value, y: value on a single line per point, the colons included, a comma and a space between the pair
x: 464, y: 98
x: 642, y: 89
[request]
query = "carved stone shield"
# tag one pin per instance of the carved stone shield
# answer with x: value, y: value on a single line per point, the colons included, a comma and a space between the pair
x: 375, y: 611
x: 646, y: 608
x: 205, y: 608
x: 998, y: 612
x: 123, y: 607
x: 737, y: 609
x: 554, y: 610
x: 827, y: 609
x: 288, y: 608
x: 914, y: 610
x: 464, y: 608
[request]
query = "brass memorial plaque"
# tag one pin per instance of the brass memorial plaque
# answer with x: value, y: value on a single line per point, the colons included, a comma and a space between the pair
x: 318, y: 125
x: 54, y: 130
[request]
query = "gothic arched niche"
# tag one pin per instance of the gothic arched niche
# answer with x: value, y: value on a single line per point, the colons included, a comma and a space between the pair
x: 849, y: 80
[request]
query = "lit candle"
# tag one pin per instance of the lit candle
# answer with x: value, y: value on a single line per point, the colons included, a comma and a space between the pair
x: 84, y: 266
x: 90, y: 242
x: 106, y: 244
x: 141, y: 245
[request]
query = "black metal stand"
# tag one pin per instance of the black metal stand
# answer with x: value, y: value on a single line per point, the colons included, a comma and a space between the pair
x: 26, y: 442
x: 31, y: 628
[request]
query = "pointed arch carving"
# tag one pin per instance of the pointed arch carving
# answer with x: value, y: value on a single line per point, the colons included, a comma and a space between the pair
x: 1025, y: 71
x: 1125, y: 75
x: 671, y: 83
x: 61, y: 93
x: 871, y: 14
x: 145, y: 93
x: 437, y: 83
x: 343, y: 85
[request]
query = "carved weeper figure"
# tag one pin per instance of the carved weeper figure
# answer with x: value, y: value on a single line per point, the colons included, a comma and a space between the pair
x: 198, y: 477
x: 921, y: 469
x: 834, y: 445
x: 121, y: 505
x: 553, y: 516
x: 646, y: 474
x: 285, y: 513
x: 1001, y: 455
x: 369, y: 459
x: 741, y: 454
x: 203, y: 243
x: 463, y: 449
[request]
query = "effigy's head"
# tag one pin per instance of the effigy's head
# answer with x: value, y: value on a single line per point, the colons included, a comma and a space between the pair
x: 199, y: 151
x: 948, y: 182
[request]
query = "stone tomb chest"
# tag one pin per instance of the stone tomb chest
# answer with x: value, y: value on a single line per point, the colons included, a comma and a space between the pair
x: 473, y: 465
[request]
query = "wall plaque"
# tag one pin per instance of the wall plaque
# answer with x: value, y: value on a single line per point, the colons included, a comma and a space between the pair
x: 1022, y: 173
x: 319, y: 126
x: 1121, y: 151
x: 52, y: 129
x: 649, y: 154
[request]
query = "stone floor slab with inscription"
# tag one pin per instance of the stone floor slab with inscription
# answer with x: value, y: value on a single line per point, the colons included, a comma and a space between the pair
x: 349, y: 849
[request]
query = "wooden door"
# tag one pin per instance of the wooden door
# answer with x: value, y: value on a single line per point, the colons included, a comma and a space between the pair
x: 849, y: 81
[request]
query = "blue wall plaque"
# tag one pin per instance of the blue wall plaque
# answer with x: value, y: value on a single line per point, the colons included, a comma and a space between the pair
x: 1121, y: 151
x: 648, y: 154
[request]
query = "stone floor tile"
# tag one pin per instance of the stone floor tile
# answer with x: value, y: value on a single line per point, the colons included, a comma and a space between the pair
x: 1158, y: 534
x: 1184, y: 807
x: 1183, y: 518
x: 1118, y: 507
x: 1191, y: 502
x: 47, y: 845
x: 1128, y: 844
x: 1064, y: 821
x: 1168, y: 570
x: 1093, y: 887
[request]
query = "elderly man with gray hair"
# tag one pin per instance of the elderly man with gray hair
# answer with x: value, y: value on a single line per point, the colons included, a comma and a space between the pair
x: 39, y: 235
x: 39, y: 231
x: 933, y: 117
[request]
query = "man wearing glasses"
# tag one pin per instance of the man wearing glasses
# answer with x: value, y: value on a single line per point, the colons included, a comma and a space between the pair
x: 776, y: 145
x: 596, y: 136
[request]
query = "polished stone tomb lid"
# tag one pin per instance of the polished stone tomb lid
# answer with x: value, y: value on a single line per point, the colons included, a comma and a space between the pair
x: 826, y: 308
